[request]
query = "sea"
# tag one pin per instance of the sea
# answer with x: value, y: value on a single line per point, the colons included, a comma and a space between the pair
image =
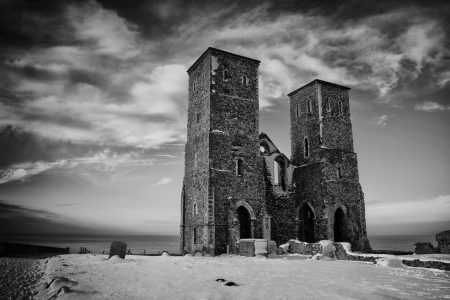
x: 154, y: 244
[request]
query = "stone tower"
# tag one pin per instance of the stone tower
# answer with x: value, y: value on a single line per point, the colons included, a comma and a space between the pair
x: 328, y: 196
x: 223, y: 192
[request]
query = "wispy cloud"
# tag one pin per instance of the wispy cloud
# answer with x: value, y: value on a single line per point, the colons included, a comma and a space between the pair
x: 381, y: 121
x: 430, y: 106
x: 104, y: 161
x: 164, y: 180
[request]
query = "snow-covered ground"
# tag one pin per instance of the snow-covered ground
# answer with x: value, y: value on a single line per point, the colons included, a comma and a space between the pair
x: 289, y: 277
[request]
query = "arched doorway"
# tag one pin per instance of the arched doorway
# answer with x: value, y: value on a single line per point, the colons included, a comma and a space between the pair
x: 306, y: 226
x: 339, y: 226
x: 245, y: 228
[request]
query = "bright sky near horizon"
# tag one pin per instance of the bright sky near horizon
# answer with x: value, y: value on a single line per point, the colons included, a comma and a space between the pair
x: 93, y: 103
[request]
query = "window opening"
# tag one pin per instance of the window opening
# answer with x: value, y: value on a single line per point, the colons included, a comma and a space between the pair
x: 276, y: 173
x: 339, y: 172
x: 239, y: 167
x: 226, y: 76
x: 195, y: 235
x: 308, y: 106
x: 195, y: 209
x: 306, y: 145
x: 340, y: 108
x: 244, y: 80
x: 298, y: 111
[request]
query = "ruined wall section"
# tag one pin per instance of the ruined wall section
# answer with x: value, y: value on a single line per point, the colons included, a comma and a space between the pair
x: 234, y: 136
x: 196, y: 180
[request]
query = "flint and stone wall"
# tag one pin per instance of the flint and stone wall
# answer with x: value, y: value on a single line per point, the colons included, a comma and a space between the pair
x: 227, y: 132
x: 328, y: 178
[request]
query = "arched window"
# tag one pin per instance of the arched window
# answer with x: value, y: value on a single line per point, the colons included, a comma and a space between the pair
x: 239, y: 167
x: 340, y: 108
x: 308, y: 106
x: 339, y: 172
x: 276, y: 173
x: 244, y: 80
x: 226, y: 75
x: 195, y: 209
x: 306, y: 147
x: 279, y: 172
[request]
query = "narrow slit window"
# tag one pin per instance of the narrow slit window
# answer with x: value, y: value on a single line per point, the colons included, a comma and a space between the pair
x: 328, y: 105
x: 195, y: 235
x: 198, y: 118
x: 244, y: 80
x: 195, y: 209
x: 306, y: 145
x: 226, y: 75
x: 298, y: 111
x: 308, y: 106
x: 339, y: 172
x: 239, y: 167
x: 340, y: 108
x: 195, y: 160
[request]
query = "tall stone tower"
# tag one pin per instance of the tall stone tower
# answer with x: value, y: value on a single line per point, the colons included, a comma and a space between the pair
x: 327, y: 192
x: 223, y: 192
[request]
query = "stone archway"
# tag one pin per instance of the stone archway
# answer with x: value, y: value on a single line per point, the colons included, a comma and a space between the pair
x: 340, y: 234
x: 306, y: 223
x: 245, y: 227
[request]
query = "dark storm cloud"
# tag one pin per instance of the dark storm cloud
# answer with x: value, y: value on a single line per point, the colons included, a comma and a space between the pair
x: 15, y: 211
x: 17, y: 219
x: 111, y: 72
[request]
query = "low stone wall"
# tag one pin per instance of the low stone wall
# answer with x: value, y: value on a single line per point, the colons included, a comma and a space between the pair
x: 23, y: 250
x: 427, y: 264
x: 342, y: 253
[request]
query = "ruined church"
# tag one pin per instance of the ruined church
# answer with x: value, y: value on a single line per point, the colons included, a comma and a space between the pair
x: 238, y: 185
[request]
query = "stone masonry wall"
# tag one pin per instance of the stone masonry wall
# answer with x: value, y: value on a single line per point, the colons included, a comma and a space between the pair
x: 305, y: 125
x: 336, y: 128
x: 281, y: 208
x: 234, y: 135
x: 328, y: 179
x: 196, y: 179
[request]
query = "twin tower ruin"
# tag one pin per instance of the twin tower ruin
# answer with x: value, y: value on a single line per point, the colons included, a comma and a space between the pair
x: 238, y: 185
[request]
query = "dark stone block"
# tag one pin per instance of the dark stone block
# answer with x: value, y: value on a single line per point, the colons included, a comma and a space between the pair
x: 118, y: 248
x: 424, y: 248
x: 443, y: 239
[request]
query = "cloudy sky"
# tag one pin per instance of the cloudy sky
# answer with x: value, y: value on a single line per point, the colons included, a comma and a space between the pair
x: 93, y: 100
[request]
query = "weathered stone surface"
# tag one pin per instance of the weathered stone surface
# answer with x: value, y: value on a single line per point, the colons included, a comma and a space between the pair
x: 222, y: 130
x: 247, y: 248
x: 443, y: 239
x: 424, y: 248
x: 118, y: 248
x: 272, y: 247
x: 427, y: 264
x: 327, y: 179
x: 225, y: 171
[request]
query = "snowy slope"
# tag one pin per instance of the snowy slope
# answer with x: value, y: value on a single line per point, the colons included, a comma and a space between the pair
x: 292, y: 277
